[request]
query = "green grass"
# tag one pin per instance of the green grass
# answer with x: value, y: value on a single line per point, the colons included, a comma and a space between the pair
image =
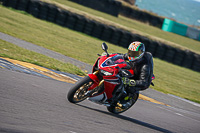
x: 169, y: 78
x: 132, y: 25
x: 51, y: 36
x: 176, y: 80
x: 14, y: 52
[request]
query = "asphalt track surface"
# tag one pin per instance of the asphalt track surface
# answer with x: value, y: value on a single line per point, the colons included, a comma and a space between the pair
x: 37, y: 104
x: 34, y: 104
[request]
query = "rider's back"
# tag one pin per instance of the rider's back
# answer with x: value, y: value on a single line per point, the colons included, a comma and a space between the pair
x: 143, y: 71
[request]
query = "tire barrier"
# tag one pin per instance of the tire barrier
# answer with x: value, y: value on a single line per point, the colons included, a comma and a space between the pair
x: 188, y: 60
x: 61, y: 16
x: 97, y: 30
x: 115, y: 38
x: 196, y: 63
x: 33, y: 8
x: 171, y: 54
x: 135, y: 37
x: 71, y: 21
x: 52, y: 12
x: 80, y: 24
x: 178, y: 59
x: 111, y: 7
x: 146, y: 42
x: 89, y: 26
x: 43, y: 10
x: 105, y: 32
x: 141, y: 16
x: 125, y: 39
x: 10, y: 3
x: 152, y: 48
x: 22, y: 5
x: 160, y: 52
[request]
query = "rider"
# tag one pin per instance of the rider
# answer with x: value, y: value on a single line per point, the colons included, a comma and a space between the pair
x: 142, y: 64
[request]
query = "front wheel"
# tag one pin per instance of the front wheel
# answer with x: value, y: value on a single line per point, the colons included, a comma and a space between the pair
x: 78, y: 92
x: 119, y: 108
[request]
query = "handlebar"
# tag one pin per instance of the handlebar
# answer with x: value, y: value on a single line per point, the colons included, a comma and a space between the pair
x: 124, y: 73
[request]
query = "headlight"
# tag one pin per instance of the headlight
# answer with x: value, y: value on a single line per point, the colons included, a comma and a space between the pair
x: 106, y: 73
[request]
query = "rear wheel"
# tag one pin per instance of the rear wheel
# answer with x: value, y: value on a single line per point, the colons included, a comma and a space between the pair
x: 119, y: 108
x: 78, y: 92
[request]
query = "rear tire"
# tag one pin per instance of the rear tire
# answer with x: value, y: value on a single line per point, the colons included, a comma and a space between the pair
x: 77, y: 92
x: 116, y: 109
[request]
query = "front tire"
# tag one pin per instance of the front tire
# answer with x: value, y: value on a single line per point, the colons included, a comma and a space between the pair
x: 117, y: 109
x: 77, y: 93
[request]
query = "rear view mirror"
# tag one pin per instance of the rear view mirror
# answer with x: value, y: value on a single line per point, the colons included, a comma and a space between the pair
x: 104, y: 47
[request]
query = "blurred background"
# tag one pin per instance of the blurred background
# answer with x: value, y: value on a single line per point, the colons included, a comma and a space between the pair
x: 176, y: 16
x: 185, y: 11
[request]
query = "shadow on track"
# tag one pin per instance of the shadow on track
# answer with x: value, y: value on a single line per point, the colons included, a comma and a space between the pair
x: 130, y: 119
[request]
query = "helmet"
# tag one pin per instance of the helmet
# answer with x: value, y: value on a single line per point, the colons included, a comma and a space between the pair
x: 136, y: 51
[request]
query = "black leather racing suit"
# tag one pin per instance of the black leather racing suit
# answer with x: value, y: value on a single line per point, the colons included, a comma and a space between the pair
x: 143, y: 72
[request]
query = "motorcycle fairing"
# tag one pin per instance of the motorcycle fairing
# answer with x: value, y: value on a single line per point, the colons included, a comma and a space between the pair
x: 95, y: 65
x: 109, y: 85
x: 95, y: 79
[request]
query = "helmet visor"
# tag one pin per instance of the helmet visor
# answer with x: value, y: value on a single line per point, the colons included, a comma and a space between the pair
x: 134, y: 53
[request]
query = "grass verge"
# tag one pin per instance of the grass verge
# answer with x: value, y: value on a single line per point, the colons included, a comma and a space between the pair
x: 176, y: 80
x: 14, y: 52
x: 169, y: 78
x: 51, y: 36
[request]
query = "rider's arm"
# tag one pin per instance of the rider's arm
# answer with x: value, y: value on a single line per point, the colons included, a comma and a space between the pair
x: 125, y: 56
x: 143, y: 81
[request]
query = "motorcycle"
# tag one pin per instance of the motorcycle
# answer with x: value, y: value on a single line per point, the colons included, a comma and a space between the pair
x: 107, y: 84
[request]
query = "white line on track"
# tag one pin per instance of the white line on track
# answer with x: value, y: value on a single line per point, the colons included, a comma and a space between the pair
x: 193, y: 103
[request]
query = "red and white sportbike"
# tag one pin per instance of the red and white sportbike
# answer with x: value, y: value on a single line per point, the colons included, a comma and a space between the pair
x: 107, y: 84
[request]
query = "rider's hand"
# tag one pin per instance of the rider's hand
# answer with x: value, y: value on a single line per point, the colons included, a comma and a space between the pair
x: 128, y: 81
x: 132, y: 83
x: 125, y: 80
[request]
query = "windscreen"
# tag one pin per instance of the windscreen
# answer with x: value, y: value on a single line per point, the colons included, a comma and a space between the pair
x: 117, y: 59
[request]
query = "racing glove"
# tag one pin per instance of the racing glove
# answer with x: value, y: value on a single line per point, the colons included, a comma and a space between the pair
x: 128, y: 81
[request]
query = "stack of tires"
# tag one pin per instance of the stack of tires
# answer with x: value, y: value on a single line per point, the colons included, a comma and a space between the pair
x: 142, y: 16
x: 111, y: 7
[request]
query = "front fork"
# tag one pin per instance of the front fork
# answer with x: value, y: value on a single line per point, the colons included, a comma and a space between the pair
x: 97, y: 83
